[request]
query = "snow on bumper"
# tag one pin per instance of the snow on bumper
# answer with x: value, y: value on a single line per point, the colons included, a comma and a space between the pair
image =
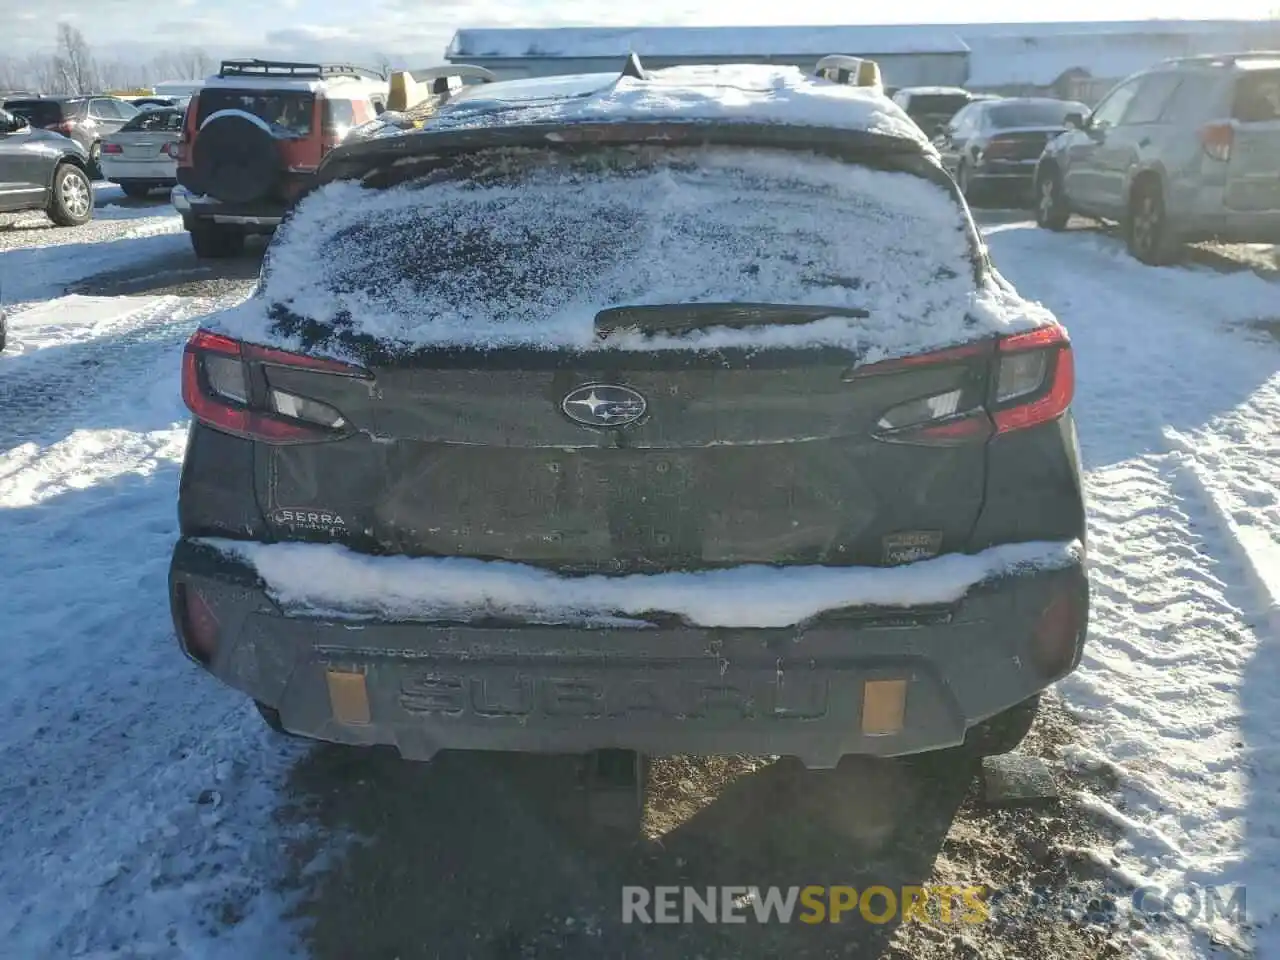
x: 779, y: 661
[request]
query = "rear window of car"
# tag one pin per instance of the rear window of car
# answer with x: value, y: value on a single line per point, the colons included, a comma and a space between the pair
x: 936, y: 103
x: 288, y: 112
x: 1029, y: 114
x: 40, y: 113
x: 525, y: 247
x: 155, y: 121
x: 1257, y: 98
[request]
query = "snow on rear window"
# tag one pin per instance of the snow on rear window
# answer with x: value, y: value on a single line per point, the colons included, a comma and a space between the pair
x: 328, y: 578
x: 529, y: 246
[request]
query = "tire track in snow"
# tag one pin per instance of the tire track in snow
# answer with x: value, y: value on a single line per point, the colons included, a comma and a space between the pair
x: 109, y: 736
x: 1176, y: 646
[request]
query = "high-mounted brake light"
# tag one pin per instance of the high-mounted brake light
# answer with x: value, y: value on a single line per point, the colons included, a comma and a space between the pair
x: 225, y: 387
x: 1032, y: 382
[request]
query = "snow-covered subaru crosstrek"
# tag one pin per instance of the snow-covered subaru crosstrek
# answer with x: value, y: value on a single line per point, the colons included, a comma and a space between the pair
x: 652, y: 413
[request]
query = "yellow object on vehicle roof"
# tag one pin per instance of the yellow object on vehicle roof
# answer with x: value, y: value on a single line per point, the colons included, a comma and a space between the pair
x: 853, y: 71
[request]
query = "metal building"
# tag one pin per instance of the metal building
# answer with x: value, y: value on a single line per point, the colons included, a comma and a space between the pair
x: 908, y: 55
x: 1078, y: 60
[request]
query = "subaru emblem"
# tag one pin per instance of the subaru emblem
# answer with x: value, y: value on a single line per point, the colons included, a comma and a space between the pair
x: 603, y: 405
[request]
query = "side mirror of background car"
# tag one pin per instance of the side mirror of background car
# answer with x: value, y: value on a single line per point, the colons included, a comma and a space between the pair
x: 1074, y: 120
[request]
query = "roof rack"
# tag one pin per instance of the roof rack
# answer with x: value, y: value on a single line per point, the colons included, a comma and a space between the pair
x: 407, y: 86
x: 286, y: 69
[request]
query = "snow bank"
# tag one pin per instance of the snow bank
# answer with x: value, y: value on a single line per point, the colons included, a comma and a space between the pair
x: 527, y: 252
x: 747, y: 93
x: 328, y: 578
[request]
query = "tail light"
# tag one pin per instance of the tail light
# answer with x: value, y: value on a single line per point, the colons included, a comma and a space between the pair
x: 1035, y: 379
x: 172, y: 149
x: 62, y: 126
x: 197, y: 624
x: 1056, y: 639
x: 999, y: 148
x: 226, y: 385
x: 112, y: 148
x: 1217, y: 140
x: 1032, y: 381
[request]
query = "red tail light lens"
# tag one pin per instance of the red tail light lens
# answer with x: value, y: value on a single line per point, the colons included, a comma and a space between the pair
x: 1035, y: 379
x: 198, y: 624
x: 112, y: 148
x: 224, y: 387
x: 1217, y: 140
x: 1032, y: 380
x: 62, y: 126
x: 998, y: 148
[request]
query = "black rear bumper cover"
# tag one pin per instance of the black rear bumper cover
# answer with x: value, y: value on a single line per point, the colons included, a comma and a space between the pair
x: 793, y: 691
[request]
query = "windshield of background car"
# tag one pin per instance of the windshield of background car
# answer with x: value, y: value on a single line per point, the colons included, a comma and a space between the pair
x: 937, y: 103
x: 526, y: 246
x: 1030, y: 114
x: 1257, y: 97
x: 288, y: 112
x: 155, y: 121
x: 39, y: 113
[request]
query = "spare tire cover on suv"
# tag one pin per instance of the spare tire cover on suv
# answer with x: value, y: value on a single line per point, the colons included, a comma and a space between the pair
x: 235, y: 158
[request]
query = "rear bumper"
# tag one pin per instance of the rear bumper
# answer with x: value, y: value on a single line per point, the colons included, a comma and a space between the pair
x: 1009, y: 172
x: 263, y: 216
x: 816, y: 692
x: 138, y: 171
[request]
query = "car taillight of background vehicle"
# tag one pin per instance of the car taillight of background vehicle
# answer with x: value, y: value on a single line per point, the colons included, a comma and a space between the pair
x: 62, y: 126
x: 173, y: 149
x: 112, y: 148
x: 227, y: 385
x: 1217, y: 140
x: 1032, y: 382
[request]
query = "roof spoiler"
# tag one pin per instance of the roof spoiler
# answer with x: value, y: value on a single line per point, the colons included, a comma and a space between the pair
x: 409, y: 87
x: 633, y: 68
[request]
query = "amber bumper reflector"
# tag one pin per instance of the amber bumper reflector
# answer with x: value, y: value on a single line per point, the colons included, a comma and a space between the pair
x: 348, y: 698
x: 883, y: 706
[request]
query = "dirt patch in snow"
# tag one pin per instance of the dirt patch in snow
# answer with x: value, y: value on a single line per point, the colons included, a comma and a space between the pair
x: 487, y: 855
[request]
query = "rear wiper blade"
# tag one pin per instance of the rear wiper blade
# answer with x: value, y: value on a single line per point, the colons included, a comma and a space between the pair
x: 685, y: 317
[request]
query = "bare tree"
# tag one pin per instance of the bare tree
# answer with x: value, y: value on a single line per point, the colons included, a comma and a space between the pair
x: 74, y: 64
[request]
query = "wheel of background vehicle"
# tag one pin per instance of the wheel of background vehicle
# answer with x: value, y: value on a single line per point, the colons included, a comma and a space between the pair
x: 235, y: 160
x: 216, y: 241
x: 71, y: 201
x: 1003, y: 732
x: 95, y: 161
x: 135, y: 190
x: 1051, y: 205
x: 1146, y: 227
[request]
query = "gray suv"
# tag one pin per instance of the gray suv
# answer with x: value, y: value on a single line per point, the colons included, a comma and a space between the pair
x: 1186, y: 151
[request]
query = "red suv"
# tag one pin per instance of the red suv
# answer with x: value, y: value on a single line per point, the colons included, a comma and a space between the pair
x: 253, y: 138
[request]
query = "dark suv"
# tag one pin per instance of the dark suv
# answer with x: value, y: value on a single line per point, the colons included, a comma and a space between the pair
x: 573, y: 422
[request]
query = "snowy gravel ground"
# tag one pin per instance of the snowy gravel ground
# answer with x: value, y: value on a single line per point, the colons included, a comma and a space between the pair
x: 145, y: 812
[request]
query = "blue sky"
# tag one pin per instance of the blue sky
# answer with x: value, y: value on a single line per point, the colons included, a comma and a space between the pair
x: 418, y: 30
